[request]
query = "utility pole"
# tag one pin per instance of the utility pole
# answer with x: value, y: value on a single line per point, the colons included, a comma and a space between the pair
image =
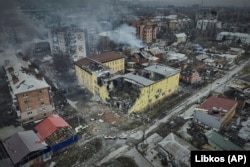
x: 78, y: 119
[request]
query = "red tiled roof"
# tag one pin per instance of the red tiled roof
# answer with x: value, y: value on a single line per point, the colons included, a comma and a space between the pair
x: 106, y: 57
x: 49, y: 126
x: 219, y: 103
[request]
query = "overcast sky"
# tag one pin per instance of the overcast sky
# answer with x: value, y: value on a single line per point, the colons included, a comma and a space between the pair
x: 238, y: 3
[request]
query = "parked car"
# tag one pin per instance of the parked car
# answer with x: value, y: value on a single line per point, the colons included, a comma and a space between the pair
x: 79, y: 128
x: 100, y: 120
x: 123, y: 137
x: 109, y: 137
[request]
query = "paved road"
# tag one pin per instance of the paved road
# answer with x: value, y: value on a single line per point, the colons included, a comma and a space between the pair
x: 218, y: 84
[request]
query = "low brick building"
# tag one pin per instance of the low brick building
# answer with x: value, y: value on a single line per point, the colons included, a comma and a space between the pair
x: 190, y: 76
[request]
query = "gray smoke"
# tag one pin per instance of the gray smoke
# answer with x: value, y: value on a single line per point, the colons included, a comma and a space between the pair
x: 16, y: 30
x: 14, y: 26
x: 126, y: 35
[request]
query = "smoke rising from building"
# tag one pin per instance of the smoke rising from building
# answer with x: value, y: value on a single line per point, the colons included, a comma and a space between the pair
x: 16, y: 29
x: 126, y: 35
x: 14, y: 26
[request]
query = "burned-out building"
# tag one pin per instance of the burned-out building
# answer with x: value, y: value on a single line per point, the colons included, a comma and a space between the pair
x: 69, y: 40
x: 59, y: 39
x: 142, y: 89
x: 132, y: 92
x: 189, y: 76
x: 91, y: 71
x: 145, y: 56
x: 42, y: 48
x: 78, y: 44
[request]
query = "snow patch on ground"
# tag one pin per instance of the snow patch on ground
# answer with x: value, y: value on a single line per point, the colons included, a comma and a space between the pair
x: 137, y: 135
x: 73, y: 103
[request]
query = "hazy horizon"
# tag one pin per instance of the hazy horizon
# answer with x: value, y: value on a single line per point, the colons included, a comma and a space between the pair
x: 238, y: 3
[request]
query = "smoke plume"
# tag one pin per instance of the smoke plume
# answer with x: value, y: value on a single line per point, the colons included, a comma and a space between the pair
x: 15, y: 27
x: 126, y: 35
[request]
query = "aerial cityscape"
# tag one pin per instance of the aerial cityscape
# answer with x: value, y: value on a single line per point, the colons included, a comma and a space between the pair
x: 122, y: 83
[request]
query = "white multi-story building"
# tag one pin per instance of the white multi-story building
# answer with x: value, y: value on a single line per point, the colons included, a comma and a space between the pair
x: 234, y: 37
x: 208, y: 24
x: 58, y: 40
x: 70, y: 40
x: 78, y: 44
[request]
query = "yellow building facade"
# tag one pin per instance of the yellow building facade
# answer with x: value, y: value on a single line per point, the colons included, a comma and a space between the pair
x: 84, y: 78
x: 139, y: 91
x: 130, y: 92
x: 112, y: 60
x: 153, y: 94
x: 89, y: 69
x: 117, y: 65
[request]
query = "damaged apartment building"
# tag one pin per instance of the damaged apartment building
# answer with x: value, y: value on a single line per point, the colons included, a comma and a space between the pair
x: 31, y: 95
x: 130, y: 92
x: 69, y: 40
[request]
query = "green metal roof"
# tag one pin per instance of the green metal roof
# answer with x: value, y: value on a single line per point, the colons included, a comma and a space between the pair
x: 221, y: 142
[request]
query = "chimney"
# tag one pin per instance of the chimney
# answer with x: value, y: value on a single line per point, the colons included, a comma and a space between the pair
x: 14, y: 79
x: 10, y: 69
x: 32, y: 68
x: 39, y: 77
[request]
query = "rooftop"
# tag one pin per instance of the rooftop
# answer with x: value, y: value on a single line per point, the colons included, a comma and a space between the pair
x: 235, y: 34
x: 106, y: 57
x: 156, y: 50
x: 181, y: 35
x: 50, y: 125
x: 162, y: 70
x: 228, y: 56
x: 176, y: 56
x: 221, y: 142
x: 178, y: 147
x: 136, y: 79
x: 21, y: 144
x: 207, y: 119
x: 93, y: 66
x: 21, y: 79
x: 218, y: 103
x: 8, y: 131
